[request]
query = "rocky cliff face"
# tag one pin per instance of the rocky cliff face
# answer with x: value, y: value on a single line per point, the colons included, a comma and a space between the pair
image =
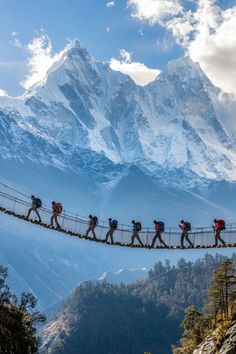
x: 228, y: 347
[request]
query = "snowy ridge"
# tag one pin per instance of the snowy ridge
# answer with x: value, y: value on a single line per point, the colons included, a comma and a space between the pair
x: 180, y: 121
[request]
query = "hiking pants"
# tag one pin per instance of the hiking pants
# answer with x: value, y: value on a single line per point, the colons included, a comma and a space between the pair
x: 158, y: 235
x: 218, y: 238
x: 35, y: 209
x: 54, y: 218
x: 185, y: 236
x: 91, y: 228
x: 110, y: 233
x: 136, y: 236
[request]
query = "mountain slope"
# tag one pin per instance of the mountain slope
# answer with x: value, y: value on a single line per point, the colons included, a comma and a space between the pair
x: 175, y: 137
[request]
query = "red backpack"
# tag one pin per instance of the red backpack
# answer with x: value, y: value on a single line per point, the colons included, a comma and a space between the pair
x: 220, y: 224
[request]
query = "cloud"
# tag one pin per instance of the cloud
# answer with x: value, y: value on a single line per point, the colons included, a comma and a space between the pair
x: 3, y: 93
x: 15, y: 40
x: 140, y: 73
x: 154, y: 11
x: 206, y: 33
x: 41, y: 58
x: 110, y: 4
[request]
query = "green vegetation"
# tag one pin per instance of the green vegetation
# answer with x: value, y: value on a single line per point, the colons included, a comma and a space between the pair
x: 143, y: 317
x: 17, y: 320
x: 217, y: 313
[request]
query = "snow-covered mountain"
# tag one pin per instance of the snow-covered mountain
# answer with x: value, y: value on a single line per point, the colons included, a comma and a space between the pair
x: 177, y: 133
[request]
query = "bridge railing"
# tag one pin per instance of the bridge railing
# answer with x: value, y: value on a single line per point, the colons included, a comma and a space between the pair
x: 74, y: 225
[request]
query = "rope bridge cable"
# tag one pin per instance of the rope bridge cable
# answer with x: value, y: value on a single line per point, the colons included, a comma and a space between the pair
x: 75, y: 226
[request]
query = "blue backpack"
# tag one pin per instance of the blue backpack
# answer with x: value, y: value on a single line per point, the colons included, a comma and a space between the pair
x: 162, y: 225
x: 38, y: 202
x: 114, y: 224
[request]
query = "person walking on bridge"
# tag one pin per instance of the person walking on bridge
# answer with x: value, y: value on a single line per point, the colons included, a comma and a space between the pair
x: 56, y: 211
x: 159, y: 227
x: 93, y: 221
x: 113, y: 226
x: 219, y: 225
x: 136, y: 228
x: 185, y: 227
x: 35, y: 205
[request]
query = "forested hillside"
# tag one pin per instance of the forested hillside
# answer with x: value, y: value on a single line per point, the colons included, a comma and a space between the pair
x: 144, y: 316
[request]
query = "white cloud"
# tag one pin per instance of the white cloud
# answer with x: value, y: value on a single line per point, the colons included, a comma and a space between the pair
x: 140, y: 73
x: 3, y: 93
x: 41, y: 58
x: 110, y: 4
x: 154, y: 11
x: 207, y: 34
x: 15, y: 40
x: 108, y: 29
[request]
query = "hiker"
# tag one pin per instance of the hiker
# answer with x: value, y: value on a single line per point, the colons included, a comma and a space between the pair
x: 136, y: 228
x: 35, y: 205
x: 93, y: 221
x: 56, y: 211
x: 185, y: 227
x: 113, y: 226
x: 219, y: 225
x: 159, y: 227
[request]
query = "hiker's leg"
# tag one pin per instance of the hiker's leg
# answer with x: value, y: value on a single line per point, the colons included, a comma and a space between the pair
x: 216, y: 238
x: 29, y: 212
x: 182, y: 240
x: 111, y: 235
x: 161, y: 241
x: 52, y: 219
x: 37, y: 213
x: 187, y: 239
x: 107, y: 235
x: 132, y: 238
x: 221, y: 240
x: 93, y: 232
x: 88, y: 231
x: 154, y: 239
x: 139, y: 240
x: 57, y: 223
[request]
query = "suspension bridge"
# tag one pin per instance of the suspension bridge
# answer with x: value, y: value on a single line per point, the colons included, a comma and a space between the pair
x: 17, y: 204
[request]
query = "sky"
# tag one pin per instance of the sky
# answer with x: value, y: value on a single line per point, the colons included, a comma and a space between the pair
x: 137, y: 37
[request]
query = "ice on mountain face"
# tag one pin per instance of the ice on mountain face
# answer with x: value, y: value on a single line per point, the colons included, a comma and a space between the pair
x: 180, y: 121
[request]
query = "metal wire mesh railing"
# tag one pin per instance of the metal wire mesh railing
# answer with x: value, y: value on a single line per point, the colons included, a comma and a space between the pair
x: 17, y: 204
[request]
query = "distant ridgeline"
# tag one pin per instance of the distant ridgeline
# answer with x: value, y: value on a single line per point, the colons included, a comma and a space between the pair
x: 142, y: 317
x: 73, y: 225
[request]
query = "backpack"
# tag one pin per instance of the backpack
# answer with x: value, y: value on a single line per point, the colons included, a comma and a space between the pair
x: 114, y: 224
x: 38, y: 202
x: 94, y: 220
x: 162, y: 225
x: 138, y: 226
x: 58, y: 208
x: 187, y: 226
x: 221, y: 224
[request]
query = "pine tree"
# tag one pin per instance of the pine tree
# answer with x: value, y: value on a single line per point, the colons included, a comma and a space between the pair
x: 17, y: 320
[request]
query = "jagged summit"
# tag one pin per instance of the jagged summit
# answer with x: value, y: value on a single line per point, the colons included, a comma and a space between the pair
x: 176, y: 123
